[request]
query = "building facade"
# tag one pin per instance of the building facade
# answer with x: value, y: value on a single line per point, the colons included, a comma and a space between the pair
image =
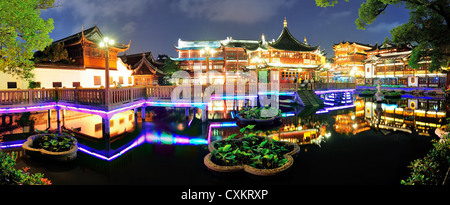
x: 388, y: 64
x: 349, y: 61
x: 145, y: 68
x: 294, y: 59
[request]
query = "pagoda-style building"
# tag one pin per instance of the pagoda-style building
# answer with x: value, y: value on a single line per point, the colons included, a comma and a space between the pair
x: 83, y: 47
x: 349, y: 61
x: 145, y: 68
x: 85, y: 67
x: 294, y: 59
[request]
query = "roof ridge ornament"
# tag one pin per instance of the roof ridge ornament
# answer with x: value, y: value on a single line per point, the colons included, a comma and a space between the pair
x: 285, y: 22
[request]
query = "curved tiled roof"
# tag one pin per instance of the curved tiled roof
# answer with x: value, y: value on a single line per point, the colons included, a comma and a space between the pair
x: 287, y: 42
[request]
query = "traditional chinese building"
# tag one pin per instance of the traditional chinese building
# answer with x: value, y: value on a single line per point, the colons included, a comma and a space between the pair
x: 388, y: 64
x: 145, y: 68
x: 84, y: 48
x: 294, y: 59
x: 219, y: 55
x: 86, y: 70
x: 349, y: 60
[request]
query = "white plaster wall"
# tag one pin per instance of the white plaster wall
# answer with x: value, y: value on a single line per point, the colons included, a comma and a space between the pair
x: 86, y: 77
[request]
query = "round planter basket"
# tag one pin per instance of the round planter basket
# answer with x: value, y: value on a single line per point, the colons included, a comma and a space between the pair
x: 45, y: 154
x: 249, y: 169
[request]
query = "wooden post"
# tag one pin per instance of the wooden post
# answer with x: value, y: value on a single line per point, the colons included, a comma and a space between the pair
x: 143, y: 113
x: 106, y: 135
x: 49, y: 117
x: 58, y: 120
x: 30, y: 96
x: 106, y: 77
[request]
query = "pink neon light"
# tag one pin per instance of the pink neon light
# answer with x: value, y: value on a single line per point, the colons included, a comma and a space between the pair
x: 182, y: 140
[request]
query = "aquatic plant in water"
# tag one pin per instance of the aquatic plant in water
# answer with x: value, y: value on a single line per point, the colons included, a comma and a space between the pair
x: 256, y: 151
x: 54, y: 142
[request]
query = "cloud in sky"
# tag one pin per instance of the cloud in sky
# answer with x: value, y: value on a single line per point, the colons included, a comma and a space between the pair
x: 239, y: 11
x: 383, y: 27
x: 88, y: 12
x: 341, y: 14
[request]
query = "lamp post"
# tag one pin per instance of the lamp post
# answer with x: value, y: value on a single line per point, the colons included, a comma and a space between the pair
x: 207, y: 52
x: 257, y: 60
x: 105, y: 44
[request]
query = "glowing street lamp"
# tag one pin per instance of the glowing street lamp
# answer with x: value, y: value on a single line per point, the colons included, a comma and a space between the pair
x: 207, y: 52
x: 105, y: 44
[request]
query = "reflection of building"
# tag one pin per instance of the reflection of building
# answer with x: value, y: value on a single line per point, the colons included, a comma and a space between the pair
x: 349, y: 60
x: 87, y: 70
x: 389, y: 65
x: 351, y: 122
x: 407, y: 115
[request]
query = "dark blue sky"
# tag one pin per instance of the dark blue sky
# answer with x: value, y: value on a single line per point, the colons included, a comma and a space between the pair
x: 156, y: 25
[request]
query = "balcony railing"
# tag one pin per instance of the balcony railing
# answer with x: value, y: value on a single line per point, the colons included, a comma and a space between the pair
x: 119, y: 96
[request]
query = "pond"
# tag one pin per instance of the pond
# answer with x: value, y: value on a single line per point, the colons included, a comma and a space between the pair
x: 358, y: 142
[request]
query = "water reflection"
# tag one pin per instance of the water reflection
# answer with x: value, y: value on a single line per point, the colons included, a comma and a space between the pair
x: 350, y: 115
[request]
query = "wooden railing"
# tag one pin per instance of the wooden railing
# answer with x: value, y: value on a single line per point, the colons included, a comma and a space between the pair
x: 13, y: 97
x: 118, y: 96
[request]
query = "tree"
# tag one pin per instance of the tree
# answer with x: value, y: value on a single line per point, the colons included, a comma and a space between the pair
x: 427, y: 29
x: 53, y: 53
x: 169, y: 68
x: 22, y: 32
x: 387, y: 41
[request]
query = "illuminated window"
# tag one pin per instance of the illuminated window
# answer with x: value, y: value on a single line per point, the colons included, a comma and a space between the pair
x: 98, y: 127
x: 97, y: 80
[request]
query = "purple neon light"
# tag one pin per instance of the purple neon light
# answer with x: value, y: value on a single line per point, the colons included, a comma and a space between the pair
x: 11, y: 146
x: 27, y: 109
x: 332, y: 91
x: 148, y: 138
x: 237, y: 97
x: 327, y: 109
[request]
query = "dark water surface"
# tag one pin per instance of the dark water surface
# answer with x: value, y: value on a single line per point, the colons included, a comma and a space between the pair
x: 363, y: 155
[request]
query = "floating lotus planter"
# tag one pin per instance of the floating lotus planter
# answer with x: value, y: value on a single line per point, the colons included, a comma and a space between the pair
x: 52, y: 146
x: 366, y: 93
x: 257, y: 155
x: 252, y: 116
x: 392, y: 95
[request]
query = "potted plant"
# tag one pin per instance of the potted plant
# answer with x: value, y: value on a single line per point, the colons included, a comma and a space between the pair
x: 250, y: 116
x: 254, y: 154
x: 54, y: 146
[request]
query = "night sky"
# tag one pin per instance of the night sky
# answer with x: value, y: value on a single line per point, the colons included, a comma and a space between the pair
x: 156, y: 25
